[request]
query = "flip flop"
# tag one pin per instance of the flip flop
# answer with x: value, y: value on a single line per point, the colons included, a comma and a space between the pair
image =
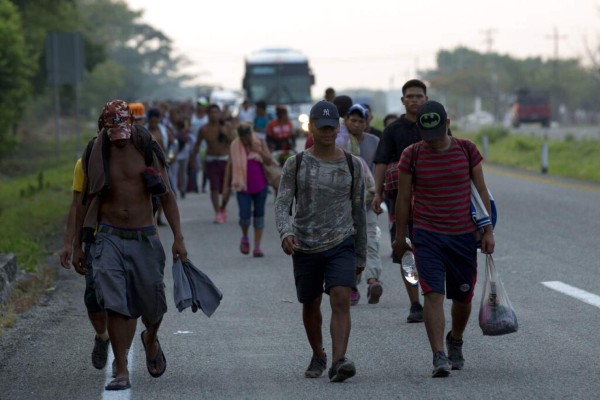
x: 153, y: 364
x: 114, y: 384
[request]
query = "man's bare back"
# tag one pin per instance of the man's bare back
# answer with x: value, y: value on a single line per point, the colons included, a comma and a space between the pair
x: 127, y: 203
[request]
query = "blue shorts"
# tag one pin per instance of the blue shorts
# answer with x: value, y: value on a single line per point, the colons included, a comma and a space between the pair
x: 315, y: 273
x: 446, y: 263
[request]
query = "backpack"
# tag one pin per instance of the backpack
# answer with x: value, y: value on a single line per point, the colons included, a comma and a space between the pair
x: 477, y: 207
x: 145, y: 145
x: 299, y: 160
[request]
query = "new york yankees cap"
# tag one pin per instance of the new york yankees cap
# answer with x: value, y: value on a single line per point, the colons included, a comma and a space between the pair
x: 431, y: 120
x: 324, y: 113
x: 116, y: 119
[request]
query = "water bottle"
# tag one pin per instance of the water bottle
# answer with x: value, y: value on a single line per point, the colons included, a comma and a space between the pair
x: 409, y: 268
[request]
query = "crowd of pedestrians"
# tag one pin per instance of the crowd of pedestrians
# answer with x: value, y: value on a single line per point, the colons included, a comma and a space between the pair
x: 326, y: 213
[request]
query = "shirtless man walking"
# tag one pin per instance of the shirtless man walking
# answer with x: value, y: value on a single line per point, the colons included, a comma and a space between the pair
x: 128, y: 257
x: 218, y: 136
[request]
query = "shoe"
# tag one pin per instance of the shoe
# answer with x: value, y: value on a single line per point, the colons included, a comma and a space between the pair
x: 244, y: 245
x: 341, y: 370
x: 219, y: 218
x: 316, y: 367
x: 257, y: 252
x: 374, y: 292
x: 100, y: 353
x: 441, y: 366
x: 416, y: 313
x: 354, y: 297
x: 223, y: 216
x: 455, y: 355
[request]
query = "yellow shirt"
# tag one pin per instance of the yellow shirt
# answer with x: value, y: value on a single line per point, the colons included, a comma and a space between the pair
x: 78, y: 177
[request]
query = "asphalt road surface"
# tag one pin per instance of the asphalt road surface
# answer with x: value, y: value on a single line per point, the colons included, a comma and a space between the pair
x: 254, y: 346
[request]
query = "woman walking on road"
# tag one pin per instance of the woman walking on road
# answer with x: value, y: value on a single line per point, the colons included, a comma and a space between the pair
x: 247, y: 155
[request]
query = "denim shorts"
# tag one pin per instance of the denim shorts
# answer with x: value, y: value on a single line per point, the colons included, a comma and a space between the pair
x: 448, y: 261
x: 315, y: 273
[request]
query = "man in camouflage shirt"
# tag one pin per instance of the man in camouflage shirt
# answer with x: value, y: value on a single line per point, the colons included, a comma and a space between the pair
x: 326, y: 237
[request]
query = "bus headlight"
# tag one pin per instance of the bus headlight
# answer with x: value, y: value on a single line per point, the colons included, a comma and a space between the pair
x: 303, y: 118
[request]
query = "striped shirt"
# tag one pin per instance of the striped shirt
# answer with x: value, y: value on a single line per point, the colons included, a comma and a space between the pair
x: 442, y: 191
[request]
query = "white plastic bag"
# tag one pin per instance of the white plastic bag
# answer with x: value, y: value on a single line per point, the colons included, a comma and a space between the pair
x: 496, y: 313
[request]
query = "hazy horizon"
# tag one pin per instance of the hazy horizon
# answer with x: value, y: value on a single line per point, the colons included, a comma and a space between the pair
x: 378, y: 46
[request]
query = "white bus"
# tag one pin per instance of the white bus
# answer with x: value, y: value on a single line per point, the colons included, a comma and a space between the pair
x: 281, y: 76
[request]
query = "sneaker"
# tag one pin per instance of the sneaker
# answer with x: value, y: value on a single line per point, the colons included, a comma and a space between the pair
x: 257, y: 252
x: 374, y: 292
x: 316, y: 367
x: 100, y: 353
x: 441, y: 366
x: 341, y: 370
x: 416, y: 313
x: 223, y: 216
x: 244, y: 245
x: 455, y: 355
x: 354, y: 297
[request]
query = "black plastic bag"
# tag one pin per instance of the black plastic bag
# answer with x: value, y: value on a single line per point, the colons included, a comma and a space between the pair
x: 496, y: 313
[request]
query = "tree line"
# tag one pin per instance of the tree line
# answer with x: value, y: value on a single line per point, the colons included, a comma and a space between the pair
x: 463, y: 74
x: 124, y: 58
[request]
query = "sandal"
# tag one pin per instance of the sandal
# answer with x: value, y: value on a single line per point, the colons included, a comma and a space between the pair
x: 244, y: 245
x: 114, y: 384
x: 152, y: 364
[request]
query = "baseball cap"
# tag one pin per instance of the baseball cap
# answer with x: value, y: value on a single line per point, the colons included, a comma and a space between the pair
x: 324, y: 113
x: 431, y: 120
x: 116, y: 119
x: 364, y: 113
x: 203, y: 101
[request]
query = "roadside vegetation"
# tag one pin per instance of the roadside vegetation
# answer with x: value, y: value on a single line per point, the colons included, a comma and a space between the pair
x: 569, y: 158
x: 35, y: 192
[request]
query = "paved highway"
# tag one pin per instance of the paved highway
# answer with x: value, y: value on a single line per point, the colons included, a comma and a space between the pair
x: 254, y: 346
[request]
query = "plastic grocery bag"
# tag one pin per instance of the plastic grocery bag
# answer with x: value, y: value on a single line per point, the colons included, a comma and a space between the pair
x: 496, y: 314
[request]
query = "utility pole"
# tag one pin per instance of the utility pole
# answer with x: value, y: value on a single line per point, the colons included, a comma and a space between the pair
x: 556, y: 38
x: 489, y: 43
x: 488, y: 39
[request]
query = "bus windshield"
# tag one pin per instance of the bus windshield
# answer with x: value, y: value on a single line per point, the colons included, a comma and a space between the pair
x: 274, y: 89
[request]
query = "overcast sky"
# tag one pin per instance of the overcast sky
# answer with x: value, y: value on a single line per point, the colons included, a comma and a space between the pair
x: 376, y: 44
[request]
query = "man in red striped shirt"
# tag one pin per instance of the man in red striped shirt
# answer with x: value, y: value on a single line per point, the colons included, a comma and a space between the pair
x: 435, y: 176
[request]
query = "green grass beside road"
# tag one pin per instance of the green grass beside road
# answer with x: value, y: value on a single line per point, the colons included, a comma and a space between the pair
x: 566, y: 158
x: 34, y: 198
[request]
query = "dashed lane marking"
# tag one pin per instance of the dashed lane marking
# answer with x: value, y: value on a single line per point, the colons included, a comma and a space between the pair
x: 572, y: 291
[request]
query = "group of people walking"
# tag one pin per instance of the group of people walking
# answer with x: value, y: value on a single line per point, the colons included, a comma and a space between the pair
x: 326, y: 210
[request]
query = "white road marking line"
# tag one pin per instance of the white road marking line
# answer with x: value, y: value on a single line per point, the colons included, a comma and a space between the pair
x: 574, y: 292
x: 118, y: 394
